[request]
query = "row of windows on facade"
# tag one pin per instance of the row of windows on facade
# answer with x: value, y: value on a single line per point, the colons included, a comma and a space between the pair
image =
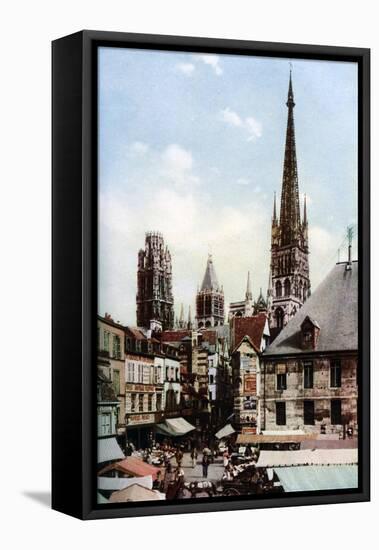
x: 299, y: 291
x: 140, y: 373
x: 145, y: 402
x: 308, y: 370
x: 309, y: 412
x: 110, y: 343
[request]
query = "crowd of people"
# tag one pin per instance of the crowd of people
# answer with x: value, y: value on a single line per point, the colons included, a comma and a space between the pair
x: 171, y: 458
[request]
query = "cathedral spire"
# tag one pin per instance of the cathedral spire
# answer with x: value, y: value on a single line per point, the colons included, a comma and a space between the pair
x: 189, y: 324
x: 289, y: 282
x: 249, y: 295
x: 210, y: 281
x: 289, y: 206
x: 181, y: 316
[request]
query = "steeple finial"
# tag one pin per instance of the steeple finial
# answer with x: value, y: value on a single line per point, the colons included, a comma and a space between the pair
x: 249, y: 295
x: 290, y: 101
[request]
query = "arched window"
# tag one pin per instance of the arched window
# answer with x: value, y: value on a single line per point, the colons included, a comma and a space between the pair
x: 304, y: 292
x: 287, y: 287
x: 279, y: 317
x: 278, y: 289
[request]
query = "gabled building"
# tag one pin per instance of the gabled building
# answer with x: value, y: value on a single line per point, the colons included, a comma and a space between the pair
x: 249, y: 337
x: 310, y: 370
x: 289, y: 285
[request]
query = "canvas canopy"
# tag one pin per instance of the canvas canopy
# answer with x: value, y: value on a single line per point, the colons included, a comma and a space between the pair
x: 317, y: 478
x: 175, y: 427
x: 254, y: 439
x: 108, y: 449
x: 225, y: 431
x: 317, y: 457
x: 131, y: 467
x: 135, y: 493
x: 119, y: 483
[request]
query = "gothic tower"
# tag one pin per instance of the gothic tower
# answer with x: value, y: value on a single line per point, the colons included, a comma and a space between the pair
x: 210, y: 299
x: 289, y: 285
x: 155, y: 302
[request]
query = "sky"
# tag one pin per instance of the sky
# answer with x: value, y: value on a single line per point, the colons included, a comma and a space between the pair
x: 192, y: 146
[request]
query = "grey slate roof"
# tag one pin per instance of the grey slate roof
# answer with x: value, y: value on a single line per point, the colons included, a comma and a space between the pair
x: 334, y: 306
x: 210, y: 281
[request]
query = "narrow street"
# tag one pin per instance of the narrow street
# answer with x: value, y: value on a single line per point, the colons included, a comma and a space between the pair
x: 215, y: 470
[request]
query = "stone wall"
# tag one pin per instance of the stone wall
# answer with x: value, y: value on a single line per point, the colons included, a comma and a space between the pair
x: 321, y: 394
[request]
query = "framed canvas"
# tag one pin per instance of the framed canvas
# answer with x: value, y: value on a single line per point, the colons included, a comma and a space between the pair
x: 211, y: 287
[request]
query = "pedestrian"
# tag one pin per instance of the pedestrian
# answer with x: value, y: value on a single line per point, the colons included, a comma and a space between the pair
x: 194, y: 457
x: 205, y: 464
x: 248, y: 451
x: 225, y: 458
x: 179, y: 457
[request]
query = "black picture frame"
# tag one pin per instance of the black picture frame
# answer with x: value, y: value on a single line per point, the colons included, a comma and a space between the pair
x: 74, y: 270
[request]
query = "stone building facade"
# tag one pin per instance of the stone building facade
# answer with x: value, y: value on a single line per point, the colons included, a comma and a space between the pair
x: 309, y: 376
x: 289, y: 284
x: 155, y: 302
x: 111, y: 360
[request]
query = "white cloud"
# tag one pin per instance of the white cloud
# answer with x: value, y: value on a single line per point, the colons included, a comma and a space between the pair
x: 243, y: 181
x: 177, y: 164
x: 186, y: 68
x: 231, y: 117
x: 250, y: 124
x: 213, y: 61
x: 139, y: 148
x: 254, y: 128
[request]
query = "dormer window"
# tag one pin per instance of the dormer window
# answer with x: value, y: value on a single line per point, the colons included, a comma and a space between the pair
x: 310, y: 331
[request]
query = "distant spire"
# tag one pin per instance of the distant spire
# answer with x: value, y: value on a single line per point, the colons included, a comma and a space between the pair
x: 249, y: 295
x: 210, y: 281
x: 289, y: 206
x: 181, y: 316
x: 189, y: 318
x: 305, y: 220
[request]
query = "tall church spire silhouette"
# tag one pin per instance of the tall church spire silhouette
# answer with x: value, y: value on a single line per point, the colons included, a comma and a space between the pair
x: 290, y: 284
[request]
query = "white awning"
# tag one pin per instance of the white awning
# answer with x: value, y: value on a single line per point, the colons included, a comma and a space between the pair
x: 283, y: 432
x: 119, y: 483
x: 317, y: 457
x: 108, y: 449
x: 225, y: 431
x: 318, y: 478
x: 175, y: 427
